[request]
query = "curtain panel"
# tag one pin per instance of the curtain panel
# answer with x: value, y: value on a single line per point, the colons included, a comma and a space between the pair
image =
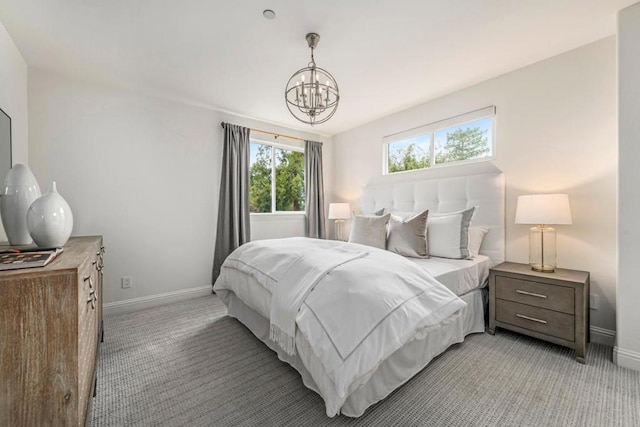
x: 314, y: 189
x: 233, y: 227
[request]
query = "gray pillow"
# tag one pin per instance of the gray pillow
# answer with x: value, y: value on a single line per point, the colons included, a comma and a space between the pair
x: 369, y: 230
x: 408, y: 236
x: 379, y: 212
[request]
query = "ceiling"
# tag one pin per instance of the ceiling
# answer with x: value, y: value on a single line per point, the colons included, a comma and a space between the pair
x: 385, y: 55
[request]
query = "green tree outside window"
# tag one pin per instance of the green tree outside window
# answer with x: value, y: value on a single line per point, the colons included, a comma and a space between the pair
x: 288, y: 168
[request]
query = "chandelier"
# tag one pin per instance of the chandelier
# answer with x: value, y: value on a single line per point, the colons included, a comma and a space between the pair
x: 312, y: 93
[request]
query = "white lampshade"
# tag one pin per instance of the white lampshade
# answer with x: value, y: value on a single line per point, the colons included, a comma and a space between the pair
x: 547, y: 209
x: 339, y: 211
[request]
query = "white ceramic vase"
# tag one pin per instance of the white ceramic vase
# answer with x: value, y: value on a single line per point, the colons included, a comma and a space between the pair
x: 20, y: 189
x: 49, y: 219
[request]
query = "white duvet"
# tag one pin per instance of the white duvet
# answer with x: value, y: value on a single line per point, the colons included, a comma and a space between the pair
x: 355, y: 311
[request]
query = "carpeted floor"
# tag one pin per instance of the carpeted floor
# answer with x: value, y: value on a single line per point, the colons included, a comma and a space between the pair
x: 188, y: 364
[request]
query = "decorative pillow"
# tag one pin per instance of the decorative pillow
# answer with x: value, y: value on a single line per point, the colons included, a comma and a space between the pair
x: 408, y: 236
x: 476, y: 235
x: 448, y: 234
x: 369, y: 230
x: 403, y: 214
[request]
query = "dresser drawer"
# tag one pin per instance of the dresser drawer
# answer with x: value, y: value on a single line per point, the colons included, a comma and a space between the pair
x: 47, y: 370
x: 551, y: 297
x: 547, y: 322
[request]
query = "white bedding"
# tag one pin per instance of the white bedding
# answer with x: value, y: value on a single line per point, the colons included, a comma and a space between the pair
x: 459, y: 275
x: 290, y: 269
x: 349, y: 348
x: 392, y: 373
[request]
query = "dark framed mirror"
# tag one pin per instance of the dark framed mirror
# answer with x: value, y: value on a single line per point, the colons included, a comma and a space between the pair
x: 5, y: 146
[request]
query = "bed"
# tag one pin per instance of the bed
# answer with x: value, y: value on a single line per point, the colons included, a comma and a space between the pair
x: 251, y: 302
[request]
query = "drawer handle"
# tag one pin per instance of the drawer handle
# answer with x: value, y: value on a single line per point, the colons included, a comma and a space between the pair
x: 90, y: 279
x: 533, y: 319
x: 531, y: 294
x: 92, y: 299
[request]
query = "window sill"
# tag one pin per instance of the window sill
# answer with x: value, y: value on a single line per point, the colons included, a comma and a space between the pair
x: 277, y: 216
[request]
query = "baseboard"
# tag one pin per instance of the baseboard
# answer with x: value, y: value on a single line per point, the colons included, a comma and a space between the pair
x: 626, y: 358
x: 135, y: 304
x: 602, y: 336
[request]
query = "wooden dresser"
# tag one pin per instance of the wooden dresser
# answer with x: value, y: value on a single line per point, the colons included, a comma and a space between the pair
x: 50, y: 326
x: 549, y: 306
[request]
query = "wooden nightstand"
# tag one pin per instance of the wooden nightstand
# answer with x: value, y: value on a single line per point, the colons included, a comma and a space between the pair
x: 550, y: 306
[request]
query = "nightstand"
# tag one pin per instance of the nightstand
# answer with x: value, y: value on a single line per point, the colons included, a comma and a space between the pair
x: 549, y: 306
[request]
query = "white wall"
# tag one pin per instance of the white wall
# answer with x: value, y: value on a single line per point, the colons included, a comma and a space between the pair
x: 627, y: 351
x: 141, y: 171
x: 556, y: 132
x: 13, y: 100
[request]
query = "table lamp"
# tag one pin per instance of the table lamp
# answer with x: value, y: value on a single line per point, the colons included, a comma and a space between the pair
x: 339, y: 212
x: 543, y: 210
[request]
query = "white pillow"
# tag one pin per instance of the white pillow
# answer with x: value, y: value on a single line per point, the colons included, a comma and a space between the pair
x: 476, y: 235
x: 369, y: 230
x: 448, y: 234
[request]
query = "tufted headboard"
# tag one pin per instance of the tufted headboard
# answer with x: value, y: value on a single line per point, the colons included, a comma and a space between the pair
x: 449, y: 195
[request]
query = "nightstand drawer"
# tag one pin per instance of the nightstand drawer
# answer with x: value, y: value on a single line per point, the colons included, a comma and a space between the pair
x: 548, y: 322
x: 551, y: 297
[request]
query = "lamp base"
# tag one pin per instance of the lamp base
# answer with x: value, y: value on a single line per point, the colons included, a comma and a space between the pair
x: 542, y: 248
x: 338, y: 226
x: 543, y: 268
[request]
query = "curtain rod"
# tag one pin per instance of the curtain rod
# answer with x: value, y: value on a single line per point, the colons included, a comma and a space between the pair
x: 271, y: 133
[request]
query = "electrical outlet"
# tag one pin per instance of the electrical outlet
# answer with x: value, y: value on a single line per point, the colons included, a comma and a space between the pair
x: 126, y: 282
x: 594, y: 301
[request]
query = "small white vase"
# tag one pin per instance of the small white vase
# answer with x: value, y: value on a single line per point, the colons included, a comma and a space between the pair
x: 49, y: 219
x: 20, y: 189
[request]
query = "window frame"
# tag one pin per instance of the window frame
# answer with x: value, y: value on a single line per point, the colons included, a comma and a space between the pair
x: 273, y: 146
x: 431, y: 129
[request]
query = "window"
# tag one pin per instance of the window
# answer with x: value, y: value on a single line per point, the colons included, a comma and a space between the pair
x: 464, y: 138
x: 285, y: 193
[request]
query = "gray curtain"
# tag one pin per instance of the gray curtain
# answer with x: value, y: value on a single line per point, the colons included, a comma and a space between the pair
x: 314, y: 189
x: 233, y: 207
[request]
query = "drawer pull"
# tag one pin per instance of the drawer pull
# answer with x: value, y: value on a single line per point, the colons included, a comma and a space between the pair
x: 92, y: 299
x: 533, y: 319
x: 531, y: 294
x: 90, y: 279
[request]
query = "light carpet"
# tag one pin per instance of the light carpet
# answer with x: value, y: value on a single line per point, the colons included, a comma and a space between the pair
x: 188, y: 364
